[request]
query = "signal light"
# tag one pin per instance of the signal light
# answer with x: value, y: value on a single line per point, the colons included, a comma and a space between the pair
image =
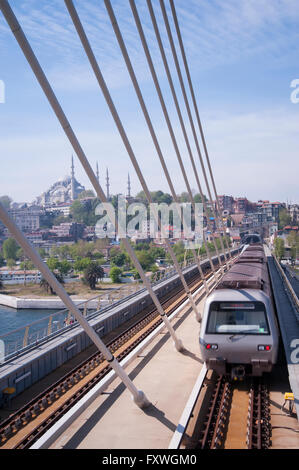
x: 212, y: 346
x: 264, y: 347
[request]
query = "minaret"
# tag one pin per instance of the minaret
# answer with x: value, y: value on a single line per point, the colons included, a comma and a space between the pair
x: 72, y: 180
x: 129, y: 186
x: 97, y: 173
x: 107, y: 183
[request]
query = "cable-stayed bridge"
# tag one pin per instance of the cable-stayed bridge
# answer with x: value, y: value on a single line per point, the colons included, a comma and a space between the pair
x: 172, y: 301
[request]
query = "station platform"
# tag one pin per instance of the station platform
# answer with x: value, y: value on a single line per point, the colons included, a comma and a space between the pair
x: 166, y: 376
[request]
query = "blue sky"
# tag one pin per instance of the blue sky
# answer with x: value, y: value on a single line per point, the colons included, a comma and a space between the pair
x: 243, y: 55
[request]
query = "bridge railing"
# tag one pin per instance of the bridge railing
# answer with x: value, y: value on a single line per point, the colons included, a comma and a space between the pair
x: 20, y: 340
x: 34, y: 333
x: 291, y: 291
x: 41, y: 330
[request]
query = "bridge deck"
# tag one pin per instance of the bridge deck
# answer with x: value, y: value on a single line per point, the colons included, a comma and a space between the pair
x: 166, y: 376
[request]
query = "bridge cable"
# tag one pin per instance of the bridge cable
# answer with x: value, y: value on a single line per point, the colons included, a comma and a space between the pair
x: 138, y: 395
x: 196, y: 111
x: 145, y: 111
x: 177, y: 106
x: 95, y: 66
x: 177, y: 65
x: 46, y: 87
x: 166, y: 115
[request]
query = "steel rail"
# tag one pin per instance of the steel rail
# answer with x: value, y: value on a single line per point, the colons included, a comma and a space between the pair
x: 49, y: 421
x: 217, y: 421
x: 259, y: 427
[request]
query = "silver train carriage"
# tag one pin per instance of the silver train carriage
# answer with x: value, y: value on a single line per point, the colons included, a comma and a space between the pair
x: 239, y: 333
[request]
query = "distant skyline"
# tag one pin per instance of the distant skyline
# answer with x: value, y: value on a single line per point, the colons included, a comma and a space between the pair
x: 243, y: 56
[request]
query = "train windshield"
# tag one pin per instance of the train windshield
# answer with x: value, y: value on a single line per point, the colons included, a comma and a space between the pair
x: 238, y: 317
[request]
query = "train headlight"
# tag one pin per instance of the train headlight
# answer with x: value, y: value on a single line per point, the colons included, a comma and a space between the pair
x: 212, y: 346
x: 264, y: 347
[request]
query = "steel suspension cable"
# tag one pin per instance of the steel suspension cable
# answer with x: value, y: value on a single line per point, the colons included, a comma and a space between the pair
x: 147, y: 117
x: 177, y: 65
x: 166, y: 115
x: 96, y: 69
x: 196, y: 109
x: 177, y: 106
x: 65, y: 124
x: 138, y: 395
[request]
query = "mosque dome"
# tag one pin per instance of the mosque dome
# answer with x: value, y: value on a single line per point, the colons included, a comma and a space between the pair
x: 64, y: 190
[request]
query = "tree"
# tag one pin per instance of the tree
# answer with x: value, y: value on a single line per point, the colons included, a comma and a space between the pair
x: 11, y: 262
x: 279, y: 248
x: 5, y: 201
x: 284, y: 218
x: 136, y: 274
x: 53, y: 263
x: 1, y: 260
x: 47, y: 287
x: 114, y: 274
x: 197, y: 198
x: 179, y: 251
x: 92, y: 273
x: 64, y: 267
x: 119, y: 259
x: 293, y: 242
x: 145, y: 258
x: 157, y: 196
x: 82, y: 249
x: 10, y: 249
x: 84, y: 211
x: 86, y: 193
x: 184, y: 197
x: 42, y: 252
x: 81, y: 264
x: 158, y: 252
x: 27, y: 264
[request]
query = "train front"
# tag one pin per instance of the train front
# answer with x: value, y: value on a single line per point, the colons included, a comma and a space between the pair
x: 239, y: 334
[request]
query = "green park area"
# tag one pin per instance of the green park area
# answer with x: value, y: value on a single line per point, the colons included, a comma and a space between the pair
x: 87, y: 268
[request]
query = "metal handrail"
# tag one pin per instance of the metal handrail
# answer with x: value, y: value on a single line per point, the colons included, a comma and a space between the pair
x: 24, y: 343
x: 287, y: 282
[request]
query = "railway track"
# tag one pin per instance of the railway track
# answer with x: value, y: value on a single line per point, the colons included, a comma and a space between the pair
x: 238, y: 416
x: 30, y: 422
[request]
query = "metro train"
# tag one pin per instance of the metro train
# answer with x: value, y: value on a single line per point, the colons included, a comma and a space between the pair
x: 239, y: 333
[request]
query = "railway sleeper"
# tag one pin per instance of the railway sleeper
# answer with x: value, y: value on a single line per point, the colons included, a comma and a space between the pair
x: 58, y: 391
x: 17, y: 422
x: 15, y: 428
x: 35, y: 410
x: 8, y: 431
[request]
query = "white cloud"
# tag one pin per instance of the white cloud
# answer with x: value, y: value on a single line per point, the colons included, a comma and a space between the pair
x: 256, y: 154
x: 223, y: 32
x: 252, y: 154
